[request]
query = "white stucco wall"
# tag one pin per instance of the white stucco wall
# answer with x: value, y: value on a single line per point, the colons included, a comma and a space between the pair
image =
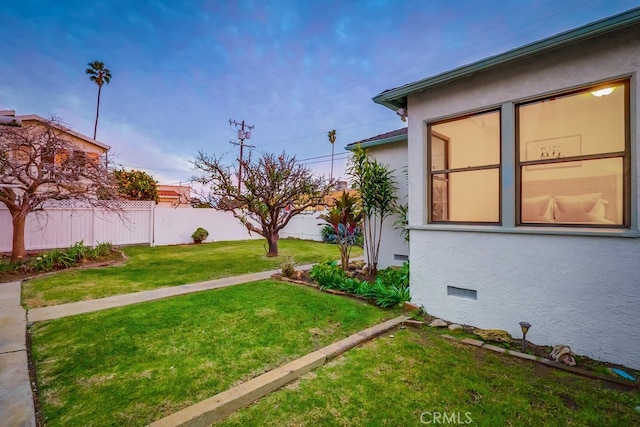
x: 394, y: 155
x: 174, y: 226
x: 581, y: 290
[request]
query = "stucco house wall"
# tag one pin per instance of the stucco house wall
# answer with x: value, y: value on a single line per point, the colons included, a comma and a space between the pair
x: 173, y: 196
x: 83, y: 142
x: 576, y: 286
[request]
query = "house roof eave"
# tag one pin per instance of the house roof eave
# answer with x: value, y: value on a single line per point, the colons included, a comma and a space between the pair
x: 376, y: 142
x: 95, y: 142
x: 397, y: 97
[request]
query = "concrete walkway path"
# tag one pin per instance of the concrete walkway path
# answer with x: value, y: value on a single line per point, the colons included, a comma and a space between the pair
x: 70, y: 309
x: 16, y: 399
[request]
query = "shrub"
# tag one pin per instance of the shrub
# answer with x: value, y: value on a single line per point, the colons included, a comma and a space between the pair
x: 50, y: 260
x: 289, y: 268
x: 6, y: 267
x: 328, y: 275
x: 77, y: 252
x: 200, y: 234
x: 395, y: 276
x: 57, y: 258
x: 328, y: 234
x: 345, y: 218
x: 390, y: 288
x: 103, y: 249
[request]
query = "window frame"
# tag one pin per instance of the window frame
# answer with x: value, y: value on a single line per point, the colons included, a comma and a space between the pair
x: 448, y: 170
x: 625, y: 155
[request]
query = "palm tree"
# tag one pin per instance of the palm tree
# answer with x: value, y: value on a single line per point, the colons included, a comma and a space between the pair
x: 332, y: 138
x: 99, y: 74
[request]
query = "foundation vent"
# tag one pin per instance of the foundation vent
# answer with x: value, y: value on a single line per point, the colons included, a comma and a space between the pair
x: 462, y: 292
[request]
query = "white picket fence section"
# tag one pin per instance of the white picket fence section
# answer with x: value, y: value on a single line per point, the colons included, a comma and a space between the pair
x: 62, y: 224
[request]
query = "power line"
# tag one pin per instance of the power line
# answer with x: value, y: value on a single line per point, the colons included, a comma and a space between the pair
x: 321, y: 157
x: 324, y: 133
x: 323, y: 161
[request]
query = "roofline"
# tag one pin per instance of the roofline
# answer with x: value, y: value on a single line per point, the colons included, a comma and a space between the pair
x: 65, y: 129
x: 388, y: 140
x: 396, y: 98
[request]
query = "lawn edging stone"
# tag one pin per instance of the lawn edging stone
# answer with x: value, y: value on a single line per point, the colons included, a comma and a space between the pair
x: 223, y: 404
x: 417, y: 324
x: 544, y: 361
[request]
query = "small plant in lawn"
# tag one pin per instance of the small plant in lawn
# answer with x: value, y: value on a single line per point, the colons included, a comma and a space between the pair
x: 199, y: 235
x: 289, y: 268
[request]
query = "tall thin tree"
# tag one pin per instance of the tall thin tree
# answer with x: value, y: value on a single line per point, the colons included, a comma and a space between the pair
x: 99, y: 74
x: 332, y: 138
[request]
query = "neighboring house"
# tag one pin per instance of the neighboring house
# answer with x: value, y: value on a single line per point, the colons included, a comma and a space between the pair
x: 330, y: 199
x: 174, y: 196
x: 524, y: 190
x: 87, y: 147
x: 391, y: 149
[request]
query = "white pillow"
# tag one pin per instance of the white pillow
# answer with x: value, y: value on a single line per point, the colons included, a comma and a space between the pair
x: 537, y: 209
x: 573, y: 209
x: 597, y: 214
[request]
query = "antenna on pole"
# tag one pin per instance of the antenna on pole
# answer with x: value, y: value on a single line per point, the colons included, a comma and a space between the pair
x: 242, y: 135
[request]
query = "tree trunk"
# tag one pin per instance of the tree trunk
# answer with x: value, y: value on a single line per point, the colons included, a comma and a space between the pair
x: 344, y: 257
x: 17, y: 250
x: 95, y: 128
x: 272, y: 240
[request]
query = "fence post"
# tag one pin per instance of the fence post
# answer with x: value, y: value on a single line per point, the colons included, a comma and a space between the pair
x: 93, y: 226
x: 152, y: 238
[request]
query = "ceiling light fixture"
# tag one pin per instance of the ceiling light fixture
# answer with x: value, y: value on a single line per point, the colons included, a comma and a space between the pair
x: 603, y: 92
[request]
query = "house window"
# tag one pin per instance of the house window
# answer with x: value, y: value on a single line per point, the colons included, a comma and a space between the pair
x: 48, y: 154
x: 80, y: 158
x: 61, y: 157
x: 22, y: 153
x: 573, y: 158
x: 464, y: 169
x: 93, y: 158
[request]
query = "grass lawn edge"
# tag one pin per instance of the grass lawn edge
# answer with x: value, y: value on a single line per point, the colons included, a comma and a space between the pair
x: 223, y: 404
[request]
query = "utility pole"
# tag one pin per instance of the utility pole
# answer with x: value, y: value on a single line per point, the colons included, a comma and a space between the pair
x: 242, y: 135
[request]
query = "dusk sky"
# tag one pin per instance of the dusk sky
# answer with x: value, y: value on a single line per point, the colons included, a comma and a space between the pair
x: 293, y: 69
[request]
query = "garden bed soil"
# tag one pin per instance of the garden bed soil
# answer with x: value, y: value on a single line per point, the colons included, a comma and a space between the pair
x: 114, y: 258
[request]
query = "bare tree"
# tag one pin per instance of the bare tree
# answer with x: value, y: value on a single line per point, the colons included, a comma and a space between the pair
x: 38, y: 163
x: 273, y: 190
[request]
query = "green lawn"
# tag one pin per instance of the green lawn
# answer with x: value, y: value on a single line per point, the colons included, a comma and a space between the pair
x: 133, y: 365
x: 395, y: 381
x: 150, y: 268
